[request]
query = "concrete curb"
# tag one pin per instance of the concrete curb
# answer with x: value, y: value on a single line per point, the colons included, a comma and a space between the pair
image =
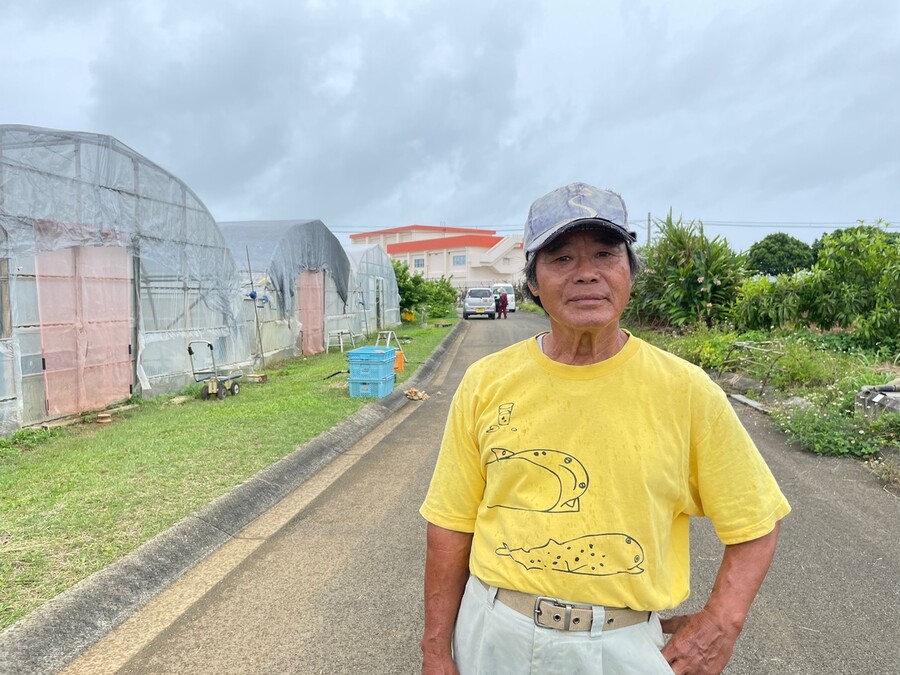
x: 46, y: 640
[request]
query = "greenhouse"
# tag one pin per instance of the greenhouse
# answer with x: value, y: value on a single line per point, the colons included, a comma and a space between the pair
x: 109, y: 265
x: 375, y: 288
x: 298, y: 285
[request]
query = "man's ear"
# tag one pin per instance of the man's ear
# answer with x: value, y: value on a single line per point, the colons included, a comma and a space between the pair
x: 533, y: 289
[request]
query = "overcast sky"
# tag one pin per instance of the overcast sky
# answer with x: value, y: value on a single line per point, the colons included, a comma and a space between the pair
x: 374, y: 114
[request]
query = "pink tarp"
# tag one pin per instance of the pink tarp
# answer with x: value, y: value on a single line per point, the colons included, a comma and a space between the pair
x: 311, y: 291
x: 84, y: 297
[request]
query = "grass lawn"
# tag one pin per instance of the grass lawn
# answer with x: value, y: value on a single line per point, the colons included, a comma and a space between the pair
x: 75, y: 499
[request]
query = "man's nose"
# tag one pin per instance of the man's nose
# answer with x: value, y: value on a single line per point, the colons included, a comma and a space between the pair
x: 586, y: 269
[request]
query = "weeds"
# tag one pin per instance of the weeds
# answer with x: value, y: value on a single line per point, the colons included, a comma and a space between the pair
x: 827, y: 370
x: 888, y: 470
x: 827, y: 431
x: 26, y: 439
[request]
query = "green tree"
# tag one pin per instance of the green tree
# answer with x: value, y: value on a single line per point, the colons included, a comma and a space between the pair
x: 779, y: 253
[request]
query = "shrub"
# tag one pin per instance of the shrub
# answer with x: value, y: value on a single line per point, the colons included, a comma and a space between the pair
x: 436, y: 296
x: 687, y: 278
x: 440, y: 297
x: 761, y: 304
x: 856, y: 283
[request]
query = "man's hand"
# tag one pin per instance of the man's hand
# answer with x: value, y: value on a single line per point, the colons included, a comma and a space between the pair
x: 432, y: 665
x: 699, y: 644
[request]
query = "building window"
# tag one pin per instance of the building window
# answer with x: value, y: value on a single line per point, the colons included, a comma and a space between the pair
x: 419, y: 263
x: 459, y: 260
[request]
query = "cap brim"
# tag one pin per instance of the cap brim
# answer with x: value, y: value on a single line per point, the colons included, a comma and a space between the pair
x: 581, y: 224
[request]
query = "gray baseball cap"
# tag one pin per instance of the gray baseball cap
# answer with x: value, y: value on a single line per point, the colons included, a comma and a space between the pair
x: 575, y: 205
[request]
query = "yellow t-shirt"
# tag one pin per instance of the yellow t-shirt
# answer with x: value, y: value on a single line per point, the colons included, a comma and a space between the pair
x: 578, y: 481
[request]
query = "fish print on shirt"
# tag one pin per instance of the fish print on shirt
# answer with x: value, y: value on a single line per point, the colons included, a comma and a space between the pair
x: 593, y: 554
x: 557, y: 481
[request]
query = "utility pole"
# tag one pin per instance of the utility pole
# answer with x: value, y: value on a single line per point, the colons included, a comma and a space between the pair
x: 648, y: 228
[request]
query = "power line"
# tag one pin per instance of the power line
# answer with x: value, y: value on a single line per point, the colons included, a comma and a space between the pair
x: 773, y: 222
x: 787, y: 225
x: 743, y: 223
x: 780, y: 226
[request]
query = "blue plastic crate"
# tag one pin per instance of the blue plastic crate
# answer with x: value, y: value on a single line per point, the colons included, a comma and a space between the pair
x: 370, y: 364
x: 381, y: 354
x: 371, y: 370
x: 372, y: 388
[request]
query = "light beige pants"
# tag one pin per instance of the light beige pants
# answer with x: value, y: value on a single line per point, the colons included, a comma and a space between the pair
x: 492, y: 639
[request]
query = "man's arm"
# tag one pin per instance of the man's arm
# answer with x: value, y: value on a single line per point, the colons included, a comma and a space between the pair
x: 703, y: 642
x: 446, y: 573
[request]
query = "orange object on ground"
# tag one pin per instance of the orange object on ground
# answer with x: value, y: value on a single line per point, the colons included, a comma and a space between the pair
x: 399, y: 362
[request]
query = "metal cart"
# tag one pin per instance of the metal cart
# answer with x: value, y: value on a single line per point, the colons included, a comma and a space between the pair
x: 216, y: 382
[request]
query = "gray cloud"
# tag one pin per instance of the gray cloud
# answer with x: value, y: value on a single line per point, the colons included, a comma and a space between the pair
x: 375, y: 114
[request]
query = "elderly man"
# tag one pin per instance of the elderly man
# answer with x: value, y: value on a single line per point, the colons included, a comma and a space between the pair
x: 570, y: 466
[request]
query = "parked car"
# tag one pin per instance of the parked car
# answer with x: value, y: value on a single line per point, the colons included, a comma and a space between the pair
x: 510, y: 295
x: 479, y: 302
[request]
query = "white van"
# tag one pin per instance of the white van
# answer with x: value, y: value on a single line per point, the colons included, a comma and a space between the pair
x: 510, y: 295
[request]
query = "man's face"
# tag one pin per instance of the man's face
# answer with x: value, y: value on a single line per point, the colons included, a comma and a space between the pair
x: 583, y: 279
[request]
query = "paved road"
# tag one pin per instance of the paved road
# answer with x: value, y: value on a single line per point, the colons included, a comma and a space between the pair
x: 329, y: 581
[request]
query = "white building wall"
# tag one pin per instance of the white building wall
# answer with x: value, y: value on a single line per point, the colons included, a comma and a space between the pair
x: 502, y: 263
x: 476, y: 272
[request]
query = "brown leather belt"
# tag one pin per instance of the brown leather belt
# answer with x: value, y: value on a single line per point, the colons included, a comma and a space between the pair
x: 559, y: 615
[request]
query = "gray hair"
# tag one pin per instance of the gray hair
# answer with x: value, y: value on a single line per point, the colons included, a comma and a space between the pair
x: 635, y: 263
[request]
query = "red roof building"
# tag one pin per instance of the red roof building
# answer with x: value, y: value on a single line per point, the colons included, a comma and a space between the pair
x: 470, y: 257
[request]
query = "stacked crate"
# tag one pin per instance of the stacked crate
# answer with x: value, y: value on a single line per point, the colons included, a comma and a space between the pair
x: 371, y: 371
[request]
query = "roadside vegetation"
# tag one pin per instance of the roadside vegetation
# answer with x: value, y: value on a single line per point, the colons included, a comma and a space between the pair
x: 77, y: 498
x: 811, y: 389
x: 817, y: 323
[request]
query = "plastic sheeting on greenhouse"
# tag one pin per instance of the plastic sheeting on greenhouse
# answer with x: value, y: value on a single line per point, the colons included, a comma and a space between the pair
x: 108, y: 266
x: 301, y: 284
x: 375, y: 289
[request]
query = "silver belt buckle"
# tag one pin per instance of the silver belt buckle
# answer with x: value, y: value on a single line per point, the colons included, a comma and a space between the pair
x: 557, y: 615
